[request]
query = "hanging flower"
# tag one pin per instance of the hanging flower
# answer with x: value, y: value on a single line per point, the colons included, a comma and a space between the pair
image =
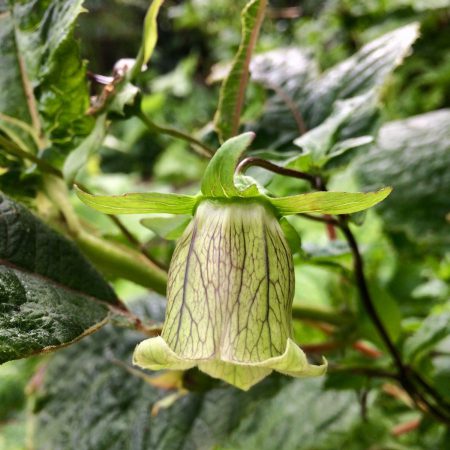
x: 231, y: 278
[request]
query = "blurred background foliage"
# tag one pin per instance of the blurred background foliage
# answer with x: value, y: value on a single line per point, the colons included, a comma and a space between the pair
x: 406, y: 249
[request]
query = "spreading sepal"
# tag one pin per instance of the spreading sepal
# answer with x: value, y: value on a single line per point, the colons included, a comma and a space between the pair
x: 139, y: 203
x: 329, y: 202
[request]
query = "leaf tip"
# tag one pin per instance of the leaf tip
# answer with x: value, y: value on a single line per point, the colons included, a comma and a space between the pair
x: 385, y: 192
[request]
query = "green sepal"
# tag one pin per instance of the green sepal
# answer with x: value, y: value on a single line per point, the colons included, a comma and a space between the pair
x: 328, y: 202
x: 218, y: 180
x: 139, y: 203
x: 291, y: 235
x: 170, y: 228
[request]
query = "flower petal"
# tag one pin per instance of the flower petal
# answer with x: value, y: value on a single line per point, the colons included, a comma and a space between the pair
x: 230, y: 288
x: 293, y: 362
x: 242, y: 376
x: 155, y: 354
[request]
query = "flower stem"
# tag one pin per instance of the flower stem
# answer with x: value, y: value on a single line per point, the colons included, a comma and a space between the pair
x: 198, y: 146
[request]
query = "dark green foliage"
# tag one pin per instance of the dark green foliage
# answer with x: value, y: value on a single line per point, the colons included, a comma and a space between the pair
x: 413, y: 156
x: 49, y: 294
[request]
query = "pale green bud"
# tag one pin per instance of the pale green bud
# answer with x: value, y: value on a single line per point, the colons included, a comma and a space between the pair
x: 230, y: 292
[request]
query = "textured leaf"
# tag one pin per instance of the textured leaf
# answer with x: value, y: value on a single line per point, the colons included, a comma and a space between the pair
x: 329, y: 202
x: 149, y: 202
x: 218, y: 179
x: 320, y: 143
x: 149, y: 37
x: 232, y: 92
x: 89, y: 400
x: 367, y: 69
x: 43, y: 80
x: 413, y: 156
x: 287, y: 73
x: 50, y: 295
x: 310, y: 100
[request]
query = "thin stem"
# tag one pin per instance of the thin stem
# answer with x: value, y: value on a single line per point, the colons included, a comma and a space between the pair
x: 358, y: 265
x: 324, y: 219
x: 296, y: 113
x: 134, y: 240
x: 14, y: 149
x: 199, y: 147
x: 259, y: 162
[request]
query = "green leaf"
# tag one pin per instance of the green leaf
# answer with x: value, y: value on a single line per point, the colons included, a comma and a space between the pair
x: 50, y: 296
x: 301, y: 97
x: 413, y: 156
x: 434, y: 329
x: 218, y: 179
x: 149, y: 37
x: 366, y: 69
x: 232, y: 92
x: 329, y: 202
x: 169, y: 228
x: 44, y: 79
x: 139, y: 203
x: 320, y: 142
x: 286, y: 73
x: 79, y: 157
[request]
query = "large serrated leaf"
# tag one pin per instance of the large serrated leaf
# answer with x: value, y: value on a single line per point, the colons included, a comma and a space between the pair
x: 365, y: 70
x: 43, y: 79
x: 413, y: 156
x: 306, y: 101
x: 50, y: 295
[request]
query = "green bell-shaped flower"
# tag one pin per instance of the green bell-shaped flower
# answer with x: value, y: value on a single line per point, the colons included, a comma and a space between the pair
x: 230, y: 292
x: 231, y: 279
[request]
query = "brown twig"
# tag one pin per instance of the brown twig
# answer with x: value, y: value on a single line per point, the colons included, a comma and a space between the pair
x: 259, y: 162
